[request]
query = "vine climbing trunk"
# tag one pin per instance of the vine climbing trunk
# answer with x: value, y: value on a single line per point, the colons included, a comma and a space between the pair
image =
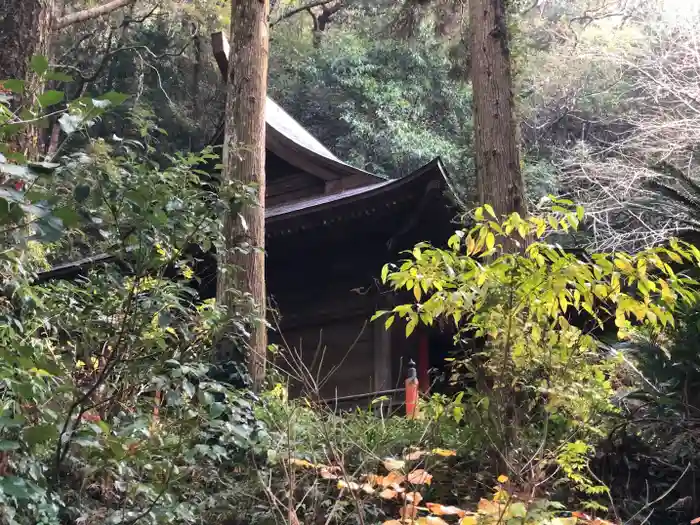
x: 25, y: 31
x: 244, y: 160
x: 498, y: 175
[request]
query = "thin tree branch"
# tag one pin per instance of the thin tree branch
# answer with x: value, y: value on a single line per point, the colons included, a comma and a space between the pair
x: 89, y: 14
x: 301, y: 9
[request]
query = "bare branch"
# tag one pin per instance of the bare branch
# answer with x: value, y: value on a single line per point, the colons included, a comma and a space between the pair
x: 301, y: 9
x: 91, y: 13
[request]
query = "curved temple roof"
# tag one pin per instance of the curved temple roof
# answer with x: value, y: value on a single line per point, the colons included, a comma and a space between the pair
x: 288, y: 139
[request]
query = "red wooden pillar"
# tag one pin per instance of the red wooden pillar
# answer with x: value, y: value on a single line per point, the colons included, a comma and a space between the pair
x: 423, y: 362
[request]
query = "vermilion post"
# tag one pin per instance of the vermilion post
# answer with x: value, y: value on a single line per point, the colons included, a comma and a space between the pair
x: 423, y: 362
x: 411, y: 392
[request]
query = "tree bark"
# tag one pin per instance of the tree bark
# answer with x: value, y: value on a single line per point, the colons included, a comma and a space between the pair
x: 244, y: 160
x: 25, y: 31
x: 498, y: 175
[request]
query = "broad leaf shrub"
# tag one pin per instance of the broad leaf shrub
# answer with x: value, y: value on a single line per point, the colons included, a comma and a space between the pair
x: 540, y: 384
x: 110, y: 411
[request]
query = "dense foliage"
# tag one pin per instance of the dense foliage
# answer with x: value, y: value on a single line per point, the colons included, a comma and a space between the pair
x: 110, y: 408
x: 572, y: 385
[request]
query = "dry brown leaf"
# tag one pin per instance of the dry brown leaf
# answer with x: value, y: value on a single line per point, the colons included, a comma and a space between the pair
x: 413, y: 497
x: 393, y: 464
x: 393, y: 522
x: 367, y: 488
x: 329, y: 472
x: 397, y: 487
x: 445, y: 510
x: 342, y: 484
x: 391, y: 478
x: 415, y: 455
x: 374, y: 479
x: 488, y: 507
x: 388, y: 494
x: 419, y: 477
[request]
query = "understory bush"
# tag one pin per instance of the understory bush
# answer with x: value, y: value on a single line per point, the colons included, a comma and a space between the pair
x: 110, y: 409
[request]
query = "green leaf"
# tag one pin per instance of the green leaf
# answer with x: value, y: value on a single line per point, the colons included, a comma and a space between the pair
x: 489, y: 210
x: 13, y: 85
x: 114, y: 98
x: 411, y: 326
x: 58, y: 76
x: 40, y: 434
x: 6, y: 445
x: 490, y: 241
x: 50, y: 97
x: 69, y: 217
x: 39, y: 64
x: 15, y: 487
x: 385, y: 272
x: 216, y: 409
x: 81, y: 192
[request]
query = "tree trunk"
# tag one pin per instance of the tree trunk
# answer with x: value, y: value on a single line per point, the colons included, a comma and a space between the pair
x: 244, y: 160
x: 499, y: 179
x: 25, y: 31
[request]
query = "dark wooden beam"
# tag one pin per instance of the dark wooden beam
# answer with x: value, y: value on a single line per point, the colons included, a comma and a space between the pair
x: 219, y: 43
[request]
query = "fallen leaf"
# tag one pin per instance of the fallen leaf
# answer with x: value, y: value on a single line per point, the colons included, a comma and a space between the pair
x: 431, y: 520
x: 374, y: 479
x: 470, y: 519
x: 397, y: 487
x: 419, y: 477
x: 393, y: 522
x: 391, y: 478
x: 367, y: 488
x: 394, y: 464
x: 413, y: 497
x: 445, y: 510
x: 488, y: 507
x: 415, y: 455
x: 388, y: 494
x: 302, y: 463
x: 563, y: 521
x: 329, y: 472
x: 342, y: 484
x: 444, y: 452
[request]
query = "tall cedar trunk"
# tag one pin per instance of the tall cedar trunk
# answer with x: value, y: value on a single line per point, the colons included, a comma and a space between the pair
x: 25, y: 31
x: 499, y: 179
x: 244, y: 160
